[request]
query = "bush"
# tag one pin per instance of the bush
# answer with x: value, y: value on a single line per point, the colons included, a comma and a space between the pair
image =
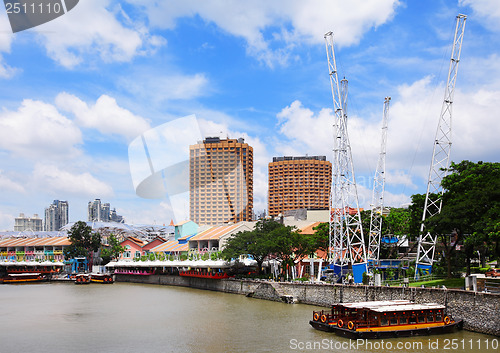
x: 366, y: 278
x: 302, y: 279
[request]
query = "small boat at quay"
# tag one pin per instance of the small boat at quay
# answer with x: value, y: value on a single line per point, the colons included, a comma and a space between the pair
x: 101, y: 278
x: 384, y: 319
x: 82, y: 278
x: 24, y: 278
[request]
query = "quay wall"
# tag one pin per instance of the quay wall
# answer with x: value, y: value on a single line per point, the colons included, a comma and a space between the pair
x: 480, y: 311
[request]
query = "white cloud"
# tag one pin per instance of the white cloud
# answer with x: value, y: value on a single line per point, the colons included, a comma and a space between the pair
x: 282, y: 24
x: 159, y: 88
x: 140, y: 212
x: 92, y: 28
x: 105, y: 115
x: 6, y: 32
x: 399, y: 177
x: 6, y: 71
x: 36, y: 130
x: 58, y: 181
x: 314, y: 133
x: 487, y: 9
x: 6, y: 37
x: 6, y: 221
x: 8, y: 185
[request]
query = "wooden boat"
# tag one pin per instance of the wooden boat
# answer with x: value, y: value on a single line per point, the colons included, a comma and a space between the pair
x: 101, y: 278
x: 328, y: 320
x: 82, y: 278
x: 34, y: 269
x: 384, y: 320
x: 204, y: 274
x: 24, y: 278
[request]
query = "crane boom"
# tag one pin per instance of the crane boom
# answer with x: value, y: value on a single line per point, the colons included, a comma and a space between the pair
x: 378, y: 192
x: 346, y: 233
x: 440, y: 156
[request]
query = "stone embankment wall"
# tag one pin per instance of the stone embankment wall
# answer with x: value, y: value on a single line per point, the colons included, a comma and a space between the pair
x: 480, y: 311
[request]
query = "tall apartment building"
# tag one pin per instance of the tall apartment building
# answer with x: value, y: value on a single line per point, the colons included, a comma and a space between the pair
x: 220, y: 181
x: 299, y: 182
x: 102, y: 212
x: 23, y: 223
x: 56, y: 215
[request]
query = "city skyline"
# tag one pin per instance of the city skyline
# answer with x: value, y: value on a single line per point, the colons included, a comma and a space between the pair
x: 109, y: 70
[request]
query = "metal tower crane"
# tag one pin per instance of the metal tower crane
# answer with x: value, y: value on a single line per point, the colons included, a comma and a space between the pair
x: 378, y: 192
x: 346, y: 239
x: 440, y: 156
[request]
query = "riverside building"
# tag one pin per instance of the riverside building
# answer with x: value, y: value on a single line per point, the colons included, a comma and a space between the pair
x: 298, y: 183
x: 220, y: 181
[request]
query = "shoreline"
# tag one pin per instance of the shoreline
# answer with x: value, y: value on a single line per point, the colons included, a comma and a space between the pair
x: 480, y: 311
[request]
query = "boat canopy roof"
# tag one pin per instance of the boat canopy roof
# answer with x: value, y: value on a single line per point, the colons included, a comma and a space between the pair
x: 408, y: 307
x: 373, y: 304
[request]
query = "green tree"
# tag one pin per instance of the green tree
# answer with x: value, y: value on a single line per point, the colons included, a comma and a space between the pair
x: 257, y: 243
x: 112, y: 251
x: 471, y: 210
x: 398, y: 221
x: 84, y: 241
x: 320, y: 239
x: 290, y: 245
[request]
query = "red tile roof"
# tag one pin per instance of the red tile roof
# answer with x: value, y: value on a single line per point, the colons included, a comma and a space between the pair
x: 216, y: 232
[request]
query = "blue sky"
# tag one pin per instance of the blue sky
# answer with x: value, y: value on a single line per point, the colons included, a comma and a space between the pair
x: 77, y: 90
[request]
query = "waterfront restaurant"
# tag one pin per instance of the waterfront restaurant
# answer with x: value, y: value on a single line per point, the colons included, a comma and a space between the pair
x: 33, y: 249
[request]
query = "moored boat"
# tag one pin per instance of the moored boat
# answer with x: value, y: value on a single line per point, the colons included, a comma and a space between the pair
x: 82, y: 278
x: 384, y: 320
x: 101, y: 278
x: 24, y: 278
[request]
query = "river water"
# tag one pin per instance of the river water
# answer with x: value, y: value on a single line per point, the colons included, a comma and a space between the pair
x: 124, y: 317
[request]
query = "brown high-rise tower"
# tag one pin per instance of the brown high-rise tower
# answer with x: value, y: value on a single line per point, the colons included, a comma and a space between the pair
x: 220, y: 181
x: 299, y: 182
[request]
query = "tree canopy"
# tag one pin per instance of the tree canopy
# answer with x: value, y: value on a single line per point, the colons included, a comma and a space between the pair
x: 471, y: 210
x: 256, y: 242
x: 270, y: 238
x: 83, y: 241
x: 112, y: 251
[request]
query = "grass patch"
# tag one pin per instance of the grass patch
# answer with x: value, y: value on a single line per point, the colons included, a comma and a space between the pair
x: 447, y: 282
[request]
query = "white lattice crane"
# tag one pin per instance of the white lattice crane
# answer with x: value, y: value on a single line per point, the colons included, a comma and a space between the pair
x: 346, y: 239
x: 440, y: 156
x: 378, y: 192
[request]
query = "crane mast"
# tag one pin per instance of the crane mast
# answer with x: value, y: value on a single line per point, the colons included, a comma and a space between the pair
x: 346, y: 241
x: 378, y: 192
x: 440, y: 156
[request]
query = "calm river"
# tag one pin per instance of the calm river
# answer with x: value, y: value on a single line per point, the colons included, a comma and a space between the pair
x: 62, y: 317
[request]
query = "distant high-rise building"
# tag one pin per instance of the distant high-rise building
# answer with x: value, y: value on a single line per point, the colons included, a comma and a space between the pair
x: 94, y: 211
x: 220, y: 181
x: 23, y: 223
x: 299, y: 182
x: 99, y: 212
x: 114, y: 217
x: 56, y: 215
x: 105, y: 212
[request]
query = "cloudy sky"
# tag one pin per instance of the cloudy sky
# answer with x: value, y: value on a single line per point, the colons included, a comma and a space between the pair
x: 76, y: 91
